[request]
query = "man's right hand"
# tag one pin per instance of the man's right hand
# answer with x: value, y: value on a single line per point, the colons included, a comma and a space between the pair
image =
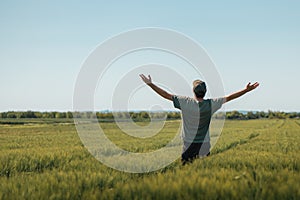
x: 251, y: 87
x: 248, y: 88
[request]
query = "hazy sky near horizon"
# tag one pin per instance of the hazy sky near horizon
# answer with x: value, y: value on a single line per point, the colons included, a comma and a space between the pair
x: 44, y: 43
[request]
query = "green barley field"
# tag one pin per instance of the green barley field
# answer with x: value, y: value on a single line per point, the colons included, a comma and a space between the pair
x: 253, y: 159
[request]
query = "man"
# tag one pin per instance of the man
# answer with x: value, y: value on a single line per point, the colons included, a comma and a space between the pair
x: 196, y: 116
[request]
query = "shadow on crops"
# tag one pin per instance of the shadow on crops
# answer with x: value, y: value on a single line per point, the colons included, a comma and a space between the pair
x: 235, y: 144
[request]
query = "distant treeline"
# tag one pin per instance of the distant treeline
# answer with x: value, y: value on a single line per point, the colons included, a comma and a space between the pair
x: 142, y: 115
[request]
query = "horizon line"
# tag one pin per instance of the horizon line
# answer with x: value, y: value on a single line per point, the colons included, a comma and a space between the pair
x: 142, y: 110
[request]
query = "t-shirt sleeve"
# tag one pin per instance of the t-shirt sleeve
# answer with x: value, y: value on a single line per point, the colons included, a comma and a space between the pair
x: 216, y: 104
x: 176, y: 102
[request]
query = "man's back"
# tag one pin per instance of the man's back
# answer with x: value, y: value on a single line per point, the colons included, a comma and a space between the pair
x: 196, y: 117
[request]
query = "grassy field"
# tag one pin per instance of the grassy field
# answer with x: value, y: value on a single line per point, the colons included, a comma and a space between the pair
x: 45, y: 159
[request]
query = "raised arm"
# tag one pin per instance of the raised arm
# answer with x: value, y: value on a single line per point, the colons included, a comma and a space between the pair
x: 157, y: 89
x: 248, y: 88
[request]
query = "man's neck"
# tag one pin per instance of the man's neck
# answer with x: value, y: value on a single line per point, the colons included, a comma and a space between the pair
x: 199, y: 99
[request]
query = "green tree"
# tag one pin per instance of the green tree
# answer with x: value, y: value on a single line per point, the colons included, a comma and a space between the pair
x: 251, y: 115
x: 11, y: 115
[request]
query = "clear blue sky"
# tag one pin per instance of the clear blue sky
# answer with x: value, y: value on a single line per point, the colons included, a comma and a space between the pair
x: 44, y: 43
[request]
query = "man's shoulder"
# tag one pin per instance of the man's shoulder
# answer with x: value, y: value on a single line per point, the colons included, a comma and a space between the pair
x: 218, y: 99
x: 183, y: 98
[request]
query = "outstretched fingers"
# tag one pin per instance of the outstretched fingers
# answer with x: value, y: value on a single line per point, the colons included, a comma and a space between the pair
x: 142, y: 76
x: 253, y: 86
x: 145, y: 79
x: 256, y: 84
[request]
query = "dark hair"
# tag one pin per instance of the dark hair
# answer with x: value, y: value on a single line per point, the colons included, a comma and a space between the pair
x: 199, y: 88
x: 200, y: 94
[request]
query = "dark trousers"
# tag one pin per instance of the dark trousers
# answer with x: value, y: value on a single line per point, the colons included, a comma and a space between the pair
x: 194, y: 150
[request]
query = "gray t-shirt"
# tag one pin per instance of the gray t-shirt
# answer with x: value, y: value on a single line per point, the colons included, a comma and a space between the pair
x: 196, y: 117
